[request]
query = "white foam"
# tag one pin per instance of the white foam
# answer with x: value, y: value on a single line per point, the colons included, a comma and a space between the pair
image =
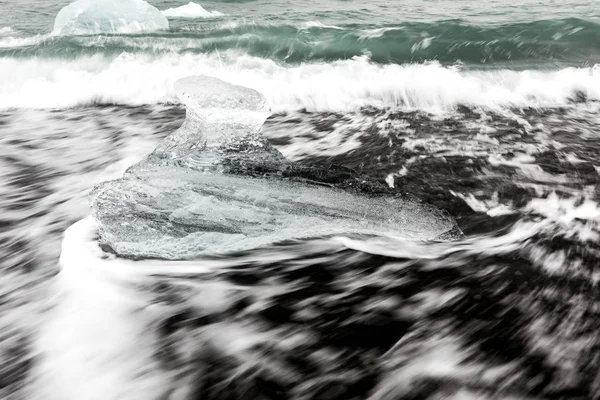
x: 526, y: 165
x: 99, y: 342
x: 423, y: 44
x: 338, y: 86
x: 318, y: 24
x: 491, y: 207
x: 578, y: 216
x: 5, y: 29
x: 191, y: 10
x: 95, y: 344
x: 16, y: 41
x: 376, y: 33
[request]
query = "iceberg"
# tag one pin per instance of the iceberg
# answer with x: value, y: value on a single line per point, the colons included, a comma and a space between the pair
x: 216, y: 186
x: 90, y: 17
x: 191, y: 10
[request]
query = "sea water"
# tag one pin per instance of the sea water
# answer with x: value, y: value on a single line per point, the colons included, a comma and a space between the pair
x: 486, y: 112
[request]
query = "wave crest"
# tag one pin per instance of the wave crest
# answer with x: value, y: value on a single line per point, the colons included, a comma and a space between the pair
x: 136, y: 79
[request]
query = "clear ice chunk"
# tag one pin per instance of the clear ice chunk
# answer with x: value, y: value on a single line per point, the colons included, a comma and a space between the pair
x: 219, y: 117
x: 216, y: 185
x: 91, y: 17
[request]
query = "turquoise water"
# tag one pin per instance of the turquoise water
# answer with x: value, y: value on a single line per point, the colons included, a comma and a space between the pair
x: 38, y: 17
x: 333, y: 55
x: 521, y: 33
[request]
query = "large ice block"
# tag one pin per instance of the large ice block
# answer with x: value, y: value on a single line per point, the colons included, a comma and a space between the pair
x: 91, y: 17
x: 216, y: 185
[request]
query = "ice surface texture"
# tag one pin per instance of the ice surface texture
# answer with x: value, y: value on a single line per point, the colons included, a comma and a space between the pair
x: 216, y: 185
x: 91, y: 17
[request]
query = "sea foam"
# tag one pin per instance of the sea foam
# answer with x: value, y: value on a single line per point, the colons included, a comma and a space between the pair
x: 136, y: 79
x: 95, y: 344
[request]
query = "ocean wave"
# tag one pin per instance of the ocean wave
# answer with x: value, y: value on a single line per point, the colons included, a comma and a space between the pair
x: 191, y: 10
x: 568, y: 41
x: 12, y: 42
x: 318, y: 24
x: 342, y: 85
x: 376, y: 32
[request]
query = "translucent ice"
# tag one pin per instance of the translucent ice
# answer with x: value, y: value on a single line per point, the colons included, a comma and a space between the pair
x: 219, y: 117
x: 216, y: 185
x: 89, y: 17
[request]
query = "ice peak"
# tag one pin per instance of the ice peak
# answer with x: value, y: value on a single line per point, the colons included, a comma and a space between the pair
x: 220, y: 116
x: 204, y: 92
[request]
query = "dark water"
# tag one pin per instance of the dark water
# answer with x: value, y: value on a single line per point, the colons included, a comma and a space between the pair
x: 518, y: 290
x: 489, y: 112
x: 49, y: 162
x: 507, y: 312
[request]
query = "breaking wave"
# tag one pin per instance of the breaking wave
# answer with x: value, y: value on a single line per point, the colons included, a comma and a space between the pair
x: 568, y: 41
x: 136, y: 79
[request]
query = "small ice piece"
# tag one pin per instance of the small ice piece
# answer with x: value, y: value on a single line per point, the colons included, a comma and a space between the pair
x: 191, y: 10
x: 91, y: 17
x: 216, y: 185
